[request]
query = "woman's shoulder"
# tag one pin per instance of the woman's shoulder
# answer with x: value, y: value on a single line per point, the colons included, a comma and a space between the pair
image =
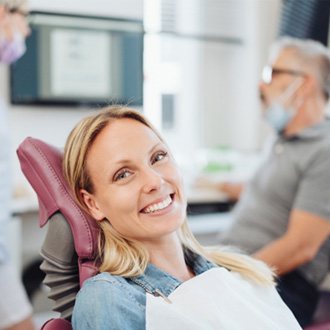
x: 105, y: 277
x: 107, y: 287
x: 104, y: 281
x: 107, y: 299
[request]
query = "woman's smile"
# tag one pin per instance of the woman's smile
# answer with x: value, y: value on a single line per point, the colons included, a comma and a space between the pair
x: 158, y: 206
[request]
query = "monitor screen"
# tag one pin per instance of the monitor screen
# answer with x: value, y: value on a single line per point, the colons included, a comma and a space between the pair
x: 77, y: 60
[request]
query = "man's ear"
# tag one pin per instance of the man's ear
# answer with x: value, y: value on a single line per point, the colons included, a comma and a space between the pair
x: 92, y: 205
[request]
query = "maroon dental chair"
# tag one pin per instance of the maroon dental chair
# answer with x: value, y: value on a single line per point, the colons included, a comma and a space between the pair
x: 69, y: 249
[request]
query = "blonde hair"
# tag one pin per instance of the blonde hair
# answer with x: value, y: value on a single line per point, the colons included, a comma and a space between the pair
x: 126, y: 257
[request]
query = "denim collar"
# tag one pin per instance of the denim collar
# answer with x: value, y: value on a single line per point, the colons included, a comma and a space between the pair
x: 157, y: 281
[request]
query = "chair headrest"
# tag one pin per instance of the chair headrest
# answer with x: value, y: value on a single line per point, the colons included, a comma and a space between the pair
x: 41, y: 163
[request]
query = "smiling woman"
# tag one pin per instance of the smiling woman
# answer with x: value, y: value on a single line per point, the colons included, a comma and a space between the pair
x: 135, y: 182
x: 152, y: 268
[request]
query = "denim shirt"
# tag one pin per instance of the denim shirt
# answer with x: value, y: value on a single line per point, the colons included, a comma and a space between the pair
x: 108, y: 302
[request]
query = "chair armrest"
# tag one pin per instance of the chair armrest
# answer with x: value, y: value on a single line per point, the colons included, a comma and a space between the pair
x: 57, y: 324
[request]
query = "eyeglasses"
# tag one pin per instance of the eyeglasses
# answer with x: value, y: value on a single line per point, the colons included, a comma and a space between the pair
x: 268, y: 73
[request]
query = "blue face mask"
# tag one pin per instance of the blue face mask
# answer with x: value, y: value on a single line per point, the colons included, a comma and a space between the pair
x: 278, y: 117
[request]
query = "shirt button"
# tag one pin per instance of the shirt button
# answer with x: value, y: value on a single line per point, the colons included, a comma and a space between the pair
x: 278, y: 149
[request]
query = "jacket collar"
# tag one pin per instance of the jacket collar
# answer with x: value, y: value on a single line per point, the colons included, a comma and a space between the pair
x: 155, y: 279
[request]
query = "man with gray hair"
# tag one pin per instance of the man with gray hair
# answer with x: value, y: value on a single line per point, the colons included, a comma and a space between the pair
x: 15, y: 309
x: 283, y: 216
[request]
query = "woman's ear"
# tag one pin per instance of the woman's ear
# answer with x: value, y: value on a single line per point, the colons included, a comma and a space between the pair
x: 92, y: 205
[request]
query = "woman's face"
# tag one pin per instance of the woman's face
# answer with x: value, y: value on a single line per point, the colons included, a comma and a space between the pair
x: 137, y: 185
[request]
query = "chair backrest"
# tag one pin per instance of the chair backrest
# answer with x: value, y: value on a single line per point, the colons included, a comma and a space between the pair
x: 70, y: 247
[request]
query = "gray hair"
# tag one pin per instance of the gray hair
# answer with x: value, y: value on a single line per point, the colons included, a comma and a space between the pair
x: 12, y: 5
x: 312, y: 56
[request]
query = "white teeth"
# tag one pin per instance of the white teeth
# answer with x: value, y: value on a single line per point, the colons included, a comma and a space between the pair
x: 159, y: 206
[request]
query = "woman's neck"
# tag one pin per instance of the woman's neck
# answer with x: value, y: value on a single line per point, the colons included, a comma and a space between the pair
x: 168, y: 255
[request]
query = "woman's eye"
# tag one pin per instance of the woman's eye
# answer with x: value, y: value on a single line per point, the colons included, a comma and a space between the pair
x: 122, y: 175
x: 159, y: 156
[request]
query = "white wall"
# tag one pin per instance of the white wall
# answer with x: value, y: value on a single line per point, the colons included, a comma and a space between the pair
x: 49, y: 123
x: 215, y: 83
x: 231, y: 77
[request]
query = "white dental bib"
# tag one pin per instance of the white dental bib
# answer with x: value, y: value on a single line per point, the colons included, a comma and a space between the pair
x: 219, y: 299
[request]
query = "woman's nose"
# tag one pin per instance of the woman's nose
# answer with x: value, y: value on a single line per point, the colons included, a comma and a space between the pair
x: 152, y: 180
